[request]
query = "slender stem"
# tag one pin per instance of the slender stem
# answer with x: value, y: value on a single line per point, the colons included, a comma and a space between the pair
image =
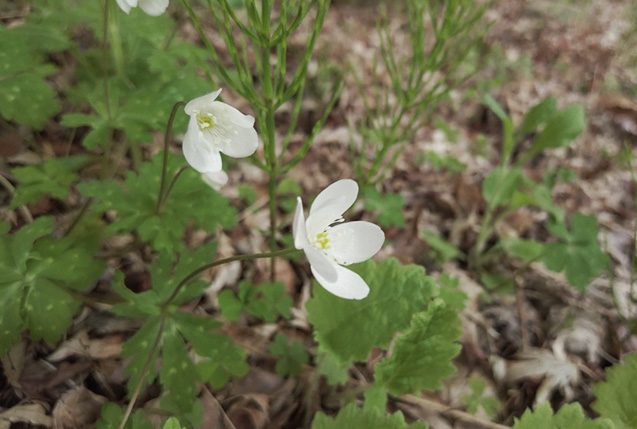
x: 269, y: 139
x: 105, y: 55
x: 26, y: 214
x: 169, y: 130
x: 203, y: 268
x: 170, y: 187
x: 485, y: 229
x: 79, y: 216
x: 138, y: 387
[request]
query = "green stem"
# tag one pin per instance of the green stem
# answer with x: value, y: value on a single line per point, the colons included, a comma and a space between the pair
x: 203, y: 268
x: 485, y: 230
x: 138, y: 387
x: 169, y: 130
x: 170, y: 187
x: 79, y: 216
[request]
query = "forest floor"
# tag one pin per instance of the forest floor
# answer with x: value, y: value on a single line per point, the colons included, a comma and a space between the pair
x: 576, y: 51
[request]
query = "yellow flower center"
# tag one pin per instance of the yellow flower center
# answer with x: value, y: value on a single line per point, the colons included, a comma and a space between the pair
x: 322, y: 241
x: 205, y: 122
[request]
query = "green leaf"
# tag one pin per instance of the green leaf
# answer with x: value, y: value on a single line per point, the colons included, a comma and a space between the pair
x: 139, y: 348
x: 579, y: 255
x: 349, y: 329
x: 617, y: 396
x: 172, y: 423
x: 421, y: 358
x: 353, y: 417
x: 112, y: 416
x: 477, y: 399
x: 292, y: 357
x: 36, y: 272
x: 26, y: 99
x: 507, y: 128
x: 388, y: 208
x: 375, y: 399
x: 441, y: 249
x: 51, y: 178
x: 178, y: 373
x: 191, y: 200
x: 223, y: 359
x: 329, y: 366
x: 538, y: 116
x: 266, y: 301
x: 570, y: 416
x: 453, y: 298
x: 561, y: 130
x: 525, y: 250
x: 498, y: 188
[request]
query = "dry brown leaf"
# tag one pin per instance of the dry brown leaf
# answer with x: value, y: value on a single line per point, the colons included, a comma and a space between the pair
x: 556, y: 373
x: 82, y: 345
x: 34, y: 414
x: 77, y: 408
x: 13, y: 364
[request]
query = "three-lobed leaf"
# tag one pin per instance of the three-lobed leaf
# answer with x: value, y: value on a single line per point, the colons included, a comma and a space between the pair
x: 578, y: 254
x: 191, y: 200
x: 292, y: 356
x: 388, y: 208
x: 349, y: 329
x: 37, y: 275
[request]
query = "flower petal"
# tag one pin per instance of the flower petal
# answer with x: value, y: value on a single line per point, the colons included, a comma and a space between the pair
x: 200, y: 103
x: 298, y: 226
x: 339, y: 196
x: 153, y: 7
x: 348, y: 284
x: 242, y: 143
x: 233, y: 114
x: 330, y: 204
x: 199, y: 153
x: 321, y: 264
x: 216, y: 180
x: 125, y: 5
x: 353, y: 242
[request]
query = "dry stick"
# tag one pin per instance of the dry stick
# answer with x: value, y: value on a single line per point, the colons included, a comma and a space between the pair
x: 449, y: 412
x: 26, y: 214
x: 519, y: 297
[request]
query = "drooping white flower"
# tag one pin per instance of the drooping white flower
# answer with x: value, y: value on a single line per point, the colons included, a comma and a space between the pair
x: 215, y: 179
x: 216, y: 127
x: 328, y: 246
x: 151, y: 7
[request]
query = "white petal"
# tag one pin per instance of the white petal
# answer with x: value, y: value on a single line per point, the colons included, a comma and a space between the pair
x: 126, y: 5
x: 321, y: 264
x: 354, y: 242
x: 201, y: 103
x: 242, y: 143
x: 153, y: 7
x: 216, y: 180
x: 298, y: 227
x: 199, y: 153
x: 339, y: 196
x: 233, y: 114
x: 348, y: 284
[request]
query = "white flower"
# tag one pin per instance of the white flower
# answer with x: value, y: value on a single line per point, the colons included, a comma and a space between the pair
x: 328, y: 247
x: 215, y: 179
x: 216, y: 127
x: 151, y: 7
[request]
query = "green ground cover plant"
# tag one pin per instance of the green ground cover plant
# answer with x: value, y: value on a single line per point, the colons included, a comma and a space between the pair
x: 139, y: 78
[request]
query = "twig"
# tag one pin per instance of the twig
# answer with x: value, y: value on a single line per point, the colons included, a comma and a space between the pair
x: 26, y: 214
x: 519, y: 297
x: 449, y: 412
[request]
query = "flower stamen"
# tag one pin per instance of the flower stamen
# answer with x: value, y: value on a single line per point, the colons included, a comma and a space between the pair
x: 322, y: 241
x: 205, y: 122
